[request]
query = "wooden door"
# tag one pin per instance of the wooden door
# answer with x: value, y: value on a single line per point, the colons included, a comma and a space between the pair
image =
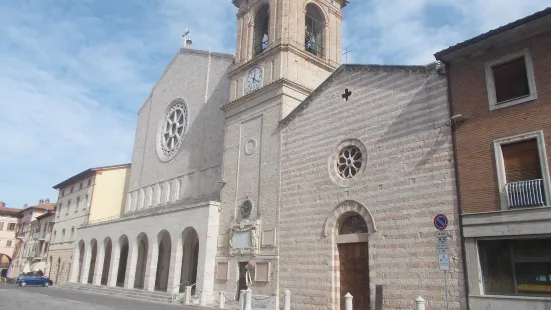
x: 354, y: 274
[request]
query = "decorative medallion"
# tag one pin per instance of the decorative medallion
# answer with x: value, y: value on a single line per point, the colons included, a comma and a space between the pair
x: 250, y: 146
x: 245, y: 209
x: 172, y: 130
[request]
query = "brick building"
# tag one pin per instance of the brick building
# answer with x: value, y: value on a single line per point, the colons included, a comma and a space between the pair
x: 500, y: 94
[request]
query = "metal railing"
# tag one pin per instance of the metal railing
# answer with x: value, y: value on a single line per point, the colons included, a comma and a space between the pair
x: 525, y: 194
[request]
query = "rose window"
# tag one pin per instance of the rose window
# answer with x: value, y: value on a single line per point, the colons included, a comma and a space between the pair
x: 172, y: 130
x: 349, y: 162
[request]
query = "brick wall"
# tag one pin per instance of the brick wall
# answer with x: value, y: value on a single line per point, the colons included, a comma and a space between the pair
x: 400, y: 114
x: 475, y: 155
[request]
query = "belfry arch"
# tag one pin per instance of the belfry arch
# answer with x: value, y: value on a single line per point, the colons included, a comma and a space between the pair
x: 261, y: 29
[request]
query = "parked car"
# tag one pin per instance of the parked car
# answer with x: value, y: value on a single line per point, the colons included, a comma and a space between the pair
x: 33, y: 279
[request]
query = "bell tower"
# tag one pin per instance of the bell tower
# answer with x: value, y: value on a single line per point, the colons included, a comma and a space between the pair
x: 295, y: 43
x: 285, y: 50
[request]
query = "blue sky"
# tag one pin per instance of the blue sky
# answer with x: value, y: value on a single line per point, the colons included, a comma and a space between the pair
x: 73, y: 73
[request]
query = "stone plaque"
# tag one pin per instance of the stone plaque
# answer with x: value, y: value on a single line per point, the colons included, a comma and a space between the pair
x: 268, y: 237
x: 222, y: 271
x: 242, y: 240
x: 262, y: 272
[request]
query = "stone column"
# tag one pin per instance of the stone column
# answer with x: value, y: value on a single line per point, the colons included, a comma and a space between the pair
x: 99, y: 264
x: 114, y: 265
x: 175, y: 273
x: 130, y: 275
x: 151, y: 271
x: 73, y: 273
x: 86, y: 264
x: 208, y: 243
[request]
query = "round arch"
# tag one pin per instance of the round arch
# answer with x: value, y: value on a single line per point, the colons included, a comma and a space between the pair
x: 107, y: 250
x: 80, y: 260
x: 122, y: 255
x: 164, y: 244
x: 142, y: 243
x: 348, y: 206
x: 190, y: 253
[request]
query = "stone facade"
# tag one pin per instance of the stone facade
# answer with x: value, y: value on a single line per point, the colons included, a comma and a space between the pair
x: 400, y: 116
x: 166, y: 235
x: 23, y: 253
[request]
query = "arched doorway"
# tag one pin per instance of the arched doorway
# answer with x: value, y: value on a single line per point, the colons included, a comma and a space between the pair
x: 94, y: 247
x: 143, y: 248
x: 108, y: 246
x: 353, y: 250
x: 80, y: 260
x: 190, y: 253
x: 5, y: 261
x: 123, y: 259
x: 163, y: 261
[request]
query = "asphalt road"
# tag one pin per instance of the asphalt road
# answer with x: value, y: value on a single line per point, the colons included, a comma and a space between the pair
x: 13, y: 297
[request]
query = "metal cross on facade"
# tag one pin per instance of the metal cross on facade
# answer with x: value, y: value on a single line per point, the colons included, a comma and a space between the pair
x: 346, y: 94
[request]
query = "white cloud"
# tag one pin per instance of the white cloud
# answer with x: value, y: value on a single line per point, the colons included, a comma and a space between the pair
x: 411, y: 31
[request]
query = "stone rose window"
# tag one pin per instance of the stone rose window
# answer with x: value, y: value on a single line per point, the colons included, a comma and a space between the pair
x: 172, y: 130
x: 347, y: 162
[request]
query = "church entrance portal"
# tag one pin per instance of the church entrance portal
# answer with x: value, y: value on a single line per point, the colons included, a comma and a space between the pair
x: 354, y: 260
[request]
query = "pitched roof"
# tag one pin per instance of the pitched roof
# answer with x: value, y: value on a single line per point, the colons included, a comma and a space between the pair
x: 494, y: 32
x: 45, y: 215
x: 352, y: 67
x: 44, y: 206
x: 87, y: 173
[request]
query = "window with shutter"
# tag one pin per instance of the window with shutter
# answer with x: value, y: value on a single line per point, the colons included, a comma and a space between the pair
x: 522, y: 161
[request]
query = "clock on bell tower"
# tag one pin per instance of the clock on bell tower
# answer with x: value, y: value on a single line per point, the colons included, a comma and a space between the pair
x: 295, y: 44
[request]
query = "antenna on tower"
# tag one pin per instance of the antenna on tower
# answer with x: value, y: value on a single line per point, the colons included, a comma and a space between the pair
x: 187, y: 39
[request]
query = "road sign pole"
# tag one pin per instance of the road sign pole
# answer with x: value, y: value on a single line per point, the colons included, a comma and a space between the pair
x: 446, y: 284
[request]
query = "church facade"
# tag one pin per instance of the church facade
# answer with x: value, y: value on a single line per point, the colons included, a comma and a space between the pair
x: 278, y: 168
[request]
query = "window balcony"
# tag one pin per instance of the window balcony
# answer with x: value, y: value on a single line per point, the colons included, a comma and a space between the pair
x: 525, y: 194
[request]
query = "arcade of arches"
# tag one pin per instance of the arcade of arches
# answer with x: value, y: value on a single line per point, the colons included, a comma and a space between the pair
x: 143, y: 262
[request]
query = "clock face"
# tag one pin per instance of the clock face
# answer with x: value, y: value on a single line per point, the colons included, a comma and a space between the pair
x: 254, y: 79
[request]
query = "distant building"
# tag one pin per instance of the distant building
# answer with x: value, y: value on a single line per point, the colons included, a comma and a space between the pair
x: 39, y: 242
x: 23, y: 254
x: 89, y: 196
x: 501, y: 106
x: 8, y: 224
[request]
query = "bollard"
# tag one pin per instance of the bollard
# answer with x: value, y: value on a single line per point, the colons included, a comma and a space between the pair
x: 348, y: 301
x: 187, y: 295
x: 419, y: 303
x: 287, y: 303
x: 242, y: 299
x: 249, y: 299
x: 222, y: 300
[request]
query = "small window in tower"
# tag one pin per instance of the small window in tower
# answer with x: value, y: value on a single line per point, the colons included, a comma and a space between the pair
x: 315, y: 22
x: 261, y: 29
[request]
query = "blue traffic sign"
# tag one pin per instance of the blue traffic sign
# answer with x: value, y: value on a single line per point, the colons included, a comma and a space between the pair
x: 440, y: 222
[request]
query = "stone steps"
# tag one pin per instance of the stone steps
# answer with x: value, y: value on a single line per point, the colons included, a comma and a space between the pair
x: 160, y: 297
